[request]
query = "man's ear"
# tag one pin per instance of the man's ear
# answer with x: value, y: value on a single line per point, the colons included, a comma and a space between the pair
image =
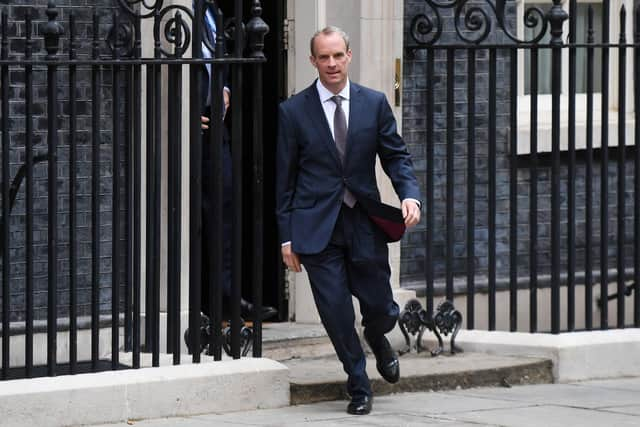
x: 349, y: 55
x: 312, y: 59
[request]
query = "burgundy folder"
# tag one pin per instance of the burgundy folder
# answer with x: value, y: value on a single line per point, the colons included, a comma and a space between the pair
x: 388, y: 218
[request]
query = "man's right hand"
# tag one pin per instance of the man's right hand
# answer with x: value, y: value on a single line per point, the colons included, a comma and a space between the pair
x: 290, y: 258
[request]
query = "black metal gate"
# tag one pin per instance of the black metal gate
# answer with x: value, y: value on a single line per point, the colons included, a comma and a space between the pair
x: 532, y: 168
x: 93, y: 137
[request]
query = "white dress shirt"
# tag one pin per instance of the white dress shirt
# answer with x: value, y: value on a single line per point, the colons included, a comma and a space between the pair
x: 329, y: 106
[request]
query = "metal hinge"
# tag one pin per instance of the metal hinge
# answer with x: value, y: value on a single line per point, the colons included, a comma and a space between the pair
x: 287, y: 30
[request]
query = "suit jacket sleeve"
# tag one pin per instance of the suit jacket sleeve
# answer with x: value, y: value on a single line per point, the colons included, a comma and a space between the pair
x: 394, y: 157
x: 286, y: 173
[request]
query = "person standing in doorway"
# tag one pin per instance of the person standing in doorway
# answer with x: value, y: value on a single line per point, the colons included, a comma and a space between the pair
x: 209, y: 38
x: 328, y: 138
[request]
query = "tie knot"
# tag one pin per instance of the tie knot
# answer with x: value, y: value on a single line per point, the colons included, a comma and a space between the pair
x: 337, y: 99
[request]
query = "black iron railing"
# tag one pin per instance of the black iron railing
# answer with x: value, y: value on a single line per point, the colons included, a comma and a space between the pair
x: 530, y: 215
x: 99, y: 124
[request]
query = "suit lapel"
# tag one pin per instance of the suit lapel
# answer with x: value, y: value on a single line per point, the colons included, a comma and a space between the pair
x: 319, y: 119
x: 356, y: 108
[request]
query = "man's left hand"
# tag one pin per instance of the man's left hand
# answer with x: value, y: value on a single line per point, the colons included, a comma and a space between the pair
x: 410, y: 212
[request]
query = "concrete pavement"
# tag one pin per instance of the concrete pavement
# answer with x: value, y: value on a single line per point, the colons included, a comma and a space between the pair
x: 594, y: 403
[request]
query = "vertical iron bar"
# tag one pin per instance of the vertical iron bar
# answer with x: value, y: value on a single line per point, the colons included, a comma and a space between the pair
x: 150, y: 205
x: 137, y: 190
x: 636, y: 191
x: 29, y: 197
x: 492, y: 187
x: 513, y: 194
x: 6, y: 204
x: 237, y: 154
x: 604, y: 172
x: 96, y: 82
x: 556, y: 16
x: 622, y: 112
x: 175, y: 148
x: 157, y: 199
x: 571, y: 172
x: 195, y: 183
x: 430, y: 208
x: 450, y: 171
x: 471, y: 186
x: 73, y: 155
x: 588, y: 278
x: 128, y: 192
x: 216, y: 247
x: 52, y: 141
x: 171, y: 202
x: 258, y: 214
x: 533, y: 198
x: 115, y: 205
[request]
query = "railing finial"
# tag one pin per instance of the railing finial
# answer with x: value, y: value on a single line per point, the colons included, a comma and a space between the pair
x: 256, y: 29
x: 556, y: 16
x: 52, y: 31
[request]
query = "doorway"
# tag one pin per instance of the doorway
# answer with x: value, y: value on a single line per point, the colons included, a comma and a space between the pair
x: 274, y: 91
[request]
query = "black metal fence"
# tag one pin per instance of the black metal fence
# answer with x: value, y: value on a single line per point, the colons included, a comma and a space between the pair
x: 85, y: 246
x: 532, y: 176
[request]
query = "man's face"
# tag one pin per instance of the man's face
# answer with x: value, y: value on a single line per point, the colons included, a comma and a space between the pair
x: 332, y: 58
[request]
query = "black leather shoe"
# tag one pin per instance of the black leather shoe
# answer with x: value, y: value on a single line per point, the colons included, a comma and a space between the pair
x: 386, y: 359
x: 246, y: 311
x: 360, y: 405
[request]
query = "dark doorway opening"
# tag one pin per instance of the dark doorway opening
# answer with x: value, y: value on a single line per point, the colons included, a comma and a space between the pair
x: 275, y: 90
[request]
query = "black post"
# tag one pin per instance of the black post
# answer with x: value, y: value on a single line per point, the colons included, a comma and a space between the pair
x: 513, y: 194
x: 588, y: 279
x: 115, y: 205
x: 471, y: 186
x: 430, y: 208
x: 533, y: 197
x: 29, y: 197
x: 237, y: 154
x: 137, y: 190
x: 6, y: 203
x: 256, y: 30
x: 556, y: 18
x: 450, y: 172
x: 571, y: 179
x: 73, y: 158
x: 622, y: 112
x: 492, y: 187
x: 604, y: 172
x: 52, y: 32
x: 96, y: 82
x: 195, y: 183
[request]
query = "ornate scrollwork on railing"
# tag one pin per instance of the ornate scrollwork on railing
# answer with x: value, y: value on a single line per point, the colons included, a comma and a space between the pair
x: 173, y: 23
x: 121, y: 37
x: 475, y: 21
x: 415, y: 320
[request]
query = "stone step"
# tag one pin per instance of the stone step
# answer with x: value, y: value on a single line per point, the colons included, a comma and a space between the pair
x: 289, y: 341
x: 321, y: 379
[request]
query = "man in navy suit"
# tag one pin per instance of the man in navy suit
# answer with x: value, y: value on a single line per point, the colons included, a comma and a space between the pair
x: 328, y: 139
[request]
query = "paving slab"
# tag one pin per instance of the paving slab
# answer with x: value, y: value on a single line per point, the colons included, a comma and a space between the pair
x: 506, y: 407
x: 572, y: 395
x: 315, y: 380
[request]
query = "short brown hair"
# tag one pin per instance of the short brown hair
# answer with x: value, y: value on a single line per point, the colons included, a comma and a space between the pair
x: 327, y: 31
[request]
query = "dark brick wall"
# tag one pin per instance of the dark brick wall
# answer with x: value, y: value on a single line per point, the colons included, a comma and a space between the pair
x: 83, y: 10
x: 414, y: 131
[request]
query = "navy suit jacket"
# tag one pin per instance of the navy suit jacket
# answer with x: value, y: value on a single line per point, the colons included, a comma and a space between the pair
x: 310, y: 178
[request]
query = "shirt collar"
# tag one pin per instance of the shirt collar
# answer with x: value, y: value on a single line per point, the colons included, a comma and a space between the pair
x: 325, y: 94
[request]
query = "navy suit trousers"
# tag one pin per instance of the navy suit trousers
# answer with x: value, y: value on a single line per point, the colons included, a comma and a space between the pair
x: 354, y: 263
